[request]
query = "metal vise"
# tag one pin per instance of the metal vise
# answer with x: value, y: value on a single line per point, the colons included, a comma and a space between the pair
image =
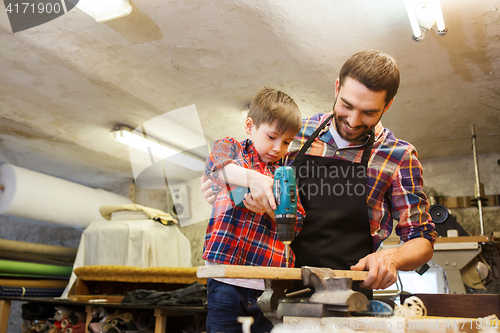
x: 333, y: 297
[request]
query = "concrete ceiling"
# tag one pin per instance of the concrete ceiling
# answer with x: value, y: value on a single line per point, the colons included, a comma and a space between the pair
x: 66, y: 83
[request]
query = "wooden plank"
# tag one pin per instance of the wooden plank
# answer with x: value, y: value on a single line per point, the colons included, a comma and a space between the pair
x: 86, y: 298
x: 4, y: 315
x: 462, y: 239
x: 89, y: 310
x: 274, y: 273
x: 185, y: 275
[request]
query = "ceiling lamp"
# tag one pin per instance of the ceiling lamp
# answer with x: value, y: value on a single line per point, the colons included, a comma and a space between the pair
x: 138, y: 140
x: 425, y: 15
x: 105, y: 10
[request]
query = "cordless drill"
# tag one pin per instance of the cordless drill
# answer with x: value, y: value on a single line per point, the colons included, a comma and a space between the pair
x: 286, y: 205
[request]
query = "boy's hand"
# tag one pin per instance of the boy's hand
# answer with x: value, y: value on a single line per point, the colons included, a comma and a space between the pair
x: 206, y: 189
x: 252, y: 205
x: 261, y: 189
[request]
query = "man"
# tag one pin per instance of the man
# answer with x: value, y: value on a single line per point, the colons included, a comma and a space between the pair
x: 355, y: 177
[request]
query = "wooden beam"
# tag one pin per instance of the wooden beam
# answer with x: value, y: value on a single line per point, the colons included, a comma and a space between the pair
x: 118, y: 273
x: 89, y: 310
x: 4, y: 315
x: 273, y: 273
x: 160, y: 322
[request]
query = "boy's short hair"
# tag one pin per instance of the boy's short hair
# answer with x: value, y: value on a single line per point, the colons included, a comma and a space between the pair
x: 269, y: 105
x: 376, y: 70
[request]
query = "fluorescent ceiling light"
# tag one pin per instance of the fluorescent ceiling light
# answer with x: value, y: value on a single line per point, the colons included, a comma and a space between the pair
x: 425, y: 15
x: 136, y: 139
x: 105, y: 10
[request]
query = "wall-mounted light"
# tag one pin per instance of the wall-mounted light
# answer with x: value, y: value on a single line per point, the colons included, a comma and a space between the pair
x: 105, y: 10
x: 425, y: 15
x: 138, y: 140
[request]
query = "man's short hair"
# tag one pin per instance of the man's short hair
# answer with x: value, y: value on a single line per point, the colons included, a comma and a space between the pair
x: 376, y: 70
x: 269, y: 105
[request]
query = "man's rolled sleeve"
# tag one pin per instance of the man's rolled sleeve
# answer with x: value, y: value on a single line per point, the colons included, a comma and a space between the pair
x: 409, y: 203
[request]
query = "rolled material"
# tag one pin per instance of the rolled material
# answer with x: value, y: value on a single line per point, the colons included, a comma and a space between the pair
x: 51, y: 251
x: 30, y: 292
x: 62, y: 312
x: 79, y: 328
x: 17, y: 256
x: 37, y: 196
x: 41, y: 327
x: 34, y: 283
x: 64, y: 322
x: 124, y: 317
x: 17, y: 268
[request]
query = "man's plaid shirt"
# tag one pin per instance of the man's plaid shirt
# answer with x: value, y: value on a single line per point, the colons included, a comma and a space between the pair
x: 394, y: 179
x: 238, y: 236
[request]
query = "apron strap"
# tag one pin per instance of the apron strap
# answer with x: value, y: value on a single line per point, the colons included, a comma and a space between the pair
x: 368, y: 149
x: 309, y: 141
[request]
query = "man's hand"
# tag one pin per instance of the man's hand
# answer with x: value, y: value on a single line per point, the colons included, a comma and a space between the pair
x: 206, y: 189
x: 382, y: 265
x: 381, y: 268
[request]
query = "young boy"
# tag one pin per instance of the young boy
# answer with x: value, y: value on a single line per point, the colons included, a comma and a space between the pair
x: 247, y: 236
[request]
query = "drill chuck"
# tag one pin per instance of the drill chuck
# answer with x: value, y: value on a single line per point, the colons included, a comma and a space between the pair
x: 286, y: 228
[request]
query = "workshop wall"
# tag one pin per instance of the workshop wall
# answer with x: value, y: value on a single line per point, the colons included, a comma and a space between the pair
x: 455, y: 177
x: 193, y: 228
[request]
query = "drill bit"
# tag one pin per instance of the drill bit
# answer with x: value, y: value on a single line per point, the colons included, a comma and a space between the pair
x: 287, y: 254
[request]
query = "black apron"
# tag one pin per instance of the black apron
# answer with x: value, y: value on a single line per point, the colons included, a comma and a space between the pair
x: 336, y: 231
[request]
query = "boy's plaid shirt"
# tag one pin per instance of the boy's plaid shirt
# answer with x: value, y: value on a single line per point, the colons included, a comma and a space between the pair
x: 394, y: 184
x: 235, y: 235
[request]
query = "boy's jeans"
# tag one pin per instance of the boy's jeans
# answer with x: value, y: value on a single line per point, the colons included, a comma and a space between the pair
x: 226, y: 303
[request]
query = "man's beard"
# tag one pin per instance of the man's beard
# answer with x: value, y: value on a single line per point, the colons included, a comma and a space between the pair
x: 351, y: 138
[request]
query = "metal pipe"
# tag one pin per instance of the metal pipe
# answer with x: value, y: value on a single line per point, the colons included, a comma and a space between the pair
x: 478, y: 183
